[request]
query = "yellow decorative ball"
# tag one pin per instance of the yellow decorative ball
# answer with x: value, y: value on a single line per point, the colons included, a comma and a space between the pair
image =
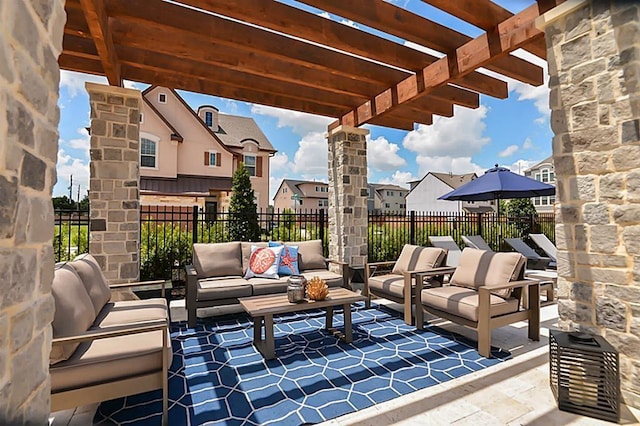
x: 317, y: 289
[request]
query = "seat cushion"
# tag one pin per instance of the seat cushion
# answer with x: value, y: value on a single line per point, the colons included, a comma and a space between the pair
x: 332, y: 279
x: 463, y: 302
x: 418, y: 258
x: 390, y: 284
x: 93, y: 279
x: 111, y: 359
x: 483, y: 268
x: 218, y: 288
x: 245, y: 248
x: 217, y: 259
x: 131, y: 311
x: 310, y: 255
x: 262, y: 286
x: 74, y: 311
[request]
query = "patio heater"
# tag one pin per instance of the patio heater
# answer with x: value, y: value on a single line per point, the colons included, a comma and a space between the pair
x: 585, y: 374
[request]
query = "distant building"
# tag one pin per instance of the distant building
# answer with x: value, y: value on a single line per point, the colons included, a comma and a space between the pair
x: 424, y: 193
x: 188, y: 157
x: 543, y: 172
x: 386, y: 198
x: 300, y: 195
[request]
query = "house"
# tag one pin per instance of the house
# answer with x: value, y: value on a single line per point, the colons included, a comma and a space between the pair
x: 300, y: 195
x: 188, y: 157
x: 424, y: 193
x: 543, y: 172
x: 386, y: 198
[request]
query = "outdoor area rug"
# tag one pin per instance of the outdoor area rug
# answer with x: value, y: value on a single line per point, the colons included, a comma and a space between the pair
x: 218, y: 377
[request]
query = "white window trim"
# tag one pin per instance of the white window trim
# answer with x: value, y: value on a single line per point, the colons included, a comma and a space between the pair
x: 255, y: 166
x: 152, y: 138
x: 214, y: 165
x: 160, y: 98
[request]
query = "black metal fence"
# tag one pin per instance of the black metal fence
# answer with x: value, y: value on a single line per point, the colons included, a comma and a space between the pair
x: 167, y: 233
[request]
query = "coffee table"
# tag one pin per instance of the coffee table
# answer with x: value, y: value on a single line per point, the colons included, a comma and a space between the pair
x: 263, y: 308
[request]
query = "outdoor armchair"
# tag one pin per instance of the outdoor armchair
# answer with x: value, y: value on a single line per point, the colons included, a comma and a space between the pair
x: 546, y: 245
x: 534, y: 260
x: 398, y: 284
x: 476, y: 242
x: 452, y: 248
x: 483, y: 293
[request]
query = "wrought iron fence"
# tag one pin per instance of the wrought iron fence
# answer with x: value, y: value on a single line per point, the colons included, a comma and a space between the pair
x: 167, y: 233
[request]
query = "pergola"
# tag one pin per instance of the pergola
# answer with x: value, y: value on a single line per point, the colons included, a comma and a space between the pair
x: 270, y: 53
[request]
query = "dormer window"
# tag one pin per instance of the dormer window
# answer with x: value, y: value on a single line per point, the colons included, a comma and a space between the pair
x: 162, y: 98
x: 208, y: 118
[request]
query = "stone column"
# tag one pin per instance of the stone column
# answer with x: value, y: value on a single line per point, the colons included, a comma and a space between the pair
x: 594, y: 67
x: 114, y: 194
x: 348, y: 195
x: 30, y: 42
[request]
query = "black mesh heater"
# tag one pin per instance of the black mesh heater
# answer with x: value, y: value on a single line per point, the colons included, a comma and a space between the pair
x: 585, y: 375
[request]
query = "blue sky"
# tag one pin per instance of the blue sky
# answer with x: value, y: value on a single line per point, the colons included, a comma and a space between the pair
x: 513, y: 132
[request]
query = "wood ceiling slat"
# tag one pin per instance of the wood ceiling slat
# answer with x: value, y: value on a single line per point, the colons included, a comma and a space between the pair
x: 396, y: 123
x: 79, y: 46
x: 458, y: 96
x: 97, y: 20
x: 80, y: 64
x: 394, y: 20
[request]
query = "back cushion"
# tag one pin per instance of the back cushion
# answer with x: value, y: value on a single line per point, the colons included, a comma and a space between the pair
x: 480, y: 268
x: 418, y: 258
x: 74, y: 310
x: 217, y: 260
x: 310, y: 255
x: 246, y: 253
x: 94, y: 281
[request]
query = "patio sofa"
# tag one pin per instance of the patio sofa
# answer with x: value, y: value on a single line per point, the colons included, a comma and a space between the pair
x: 483, y: 293
x: 103, y: 350
x: 216, y: 277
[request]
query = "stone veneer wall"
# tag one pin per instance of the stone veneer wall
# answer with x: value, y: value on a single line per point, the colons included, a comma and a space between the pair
x: 114, y: 185
x: 348, y: 195
x: 30, y: 42
x: 594, y: 67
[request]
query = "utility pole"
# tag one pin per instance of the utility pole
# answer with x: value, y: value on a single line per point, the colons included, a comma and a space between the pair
x: 71, y: 187
x: 79, y: 193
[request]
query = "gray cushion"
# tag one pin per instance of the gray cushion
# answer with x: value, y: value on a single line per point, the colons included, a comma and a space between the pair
x: 132, y: 311
x: 262, y: 286
x: 483, y: 268
x: 418, y: 258
x: 332, y: 279
x: 246, y: 253
x: 464, y: 302
x: 390, y: 284
x: 218, y: 288
x: 310, y: 255
x: 93, y: 279
x: 74, y: 311
x: 217, y: 259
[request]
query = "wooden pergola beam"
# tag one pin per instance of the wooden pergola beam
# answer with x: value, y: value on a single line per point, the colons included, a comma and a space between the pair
x: 510, y: 35
x: 97, y: 20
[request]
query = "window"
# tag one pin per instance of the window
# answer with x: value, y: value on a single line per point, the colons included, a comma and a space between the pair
x: 323, y: 203
x: 148, y: 153
x: 141, y: 117
x: 322, y: 189
x: 537, y: 176
x: 387, y: 205
x: 214, y: 159
x: 536, y: 201
x: 545, y: 175
x: 162, y: 98
x: 552, y: 200
x: 285, y: 190
x: 552, y: 176
x: 250, y: 164
x: 389, y: 193
x: 208, y: 118
x: 402, y: 206
x: 545, y: 201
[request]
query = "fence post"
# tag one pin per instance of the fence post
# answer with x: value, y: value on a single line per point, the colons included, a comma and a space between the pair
x: 194, y: 223
x: 321, y: 230
x: 532, y: 223
x: 480, y: 223
x: 412, y: 227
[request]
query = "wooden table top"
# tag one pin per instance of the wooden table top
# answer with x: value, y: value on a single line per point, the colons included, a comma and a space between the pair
x: 279, y: 303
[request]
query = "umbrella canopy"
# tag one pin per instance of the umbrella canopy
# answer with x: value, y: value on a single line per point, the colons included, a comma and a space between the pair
x: 499, y: 183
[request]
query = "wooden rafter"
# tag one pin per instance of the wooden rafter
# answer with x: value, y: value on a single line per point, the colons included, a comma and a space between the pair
x: 98, y: 22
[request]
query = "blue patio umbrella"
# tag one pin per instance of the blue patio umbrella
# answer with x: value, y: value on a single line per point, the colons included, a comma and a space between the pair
x: 499, y: 183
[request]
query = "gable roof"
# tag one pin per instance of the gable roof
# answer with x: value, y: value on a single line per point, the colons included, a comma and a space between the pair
x: 387, y: 186
x: 455, y: 181
x: 175, y: 135
x: 548, y: 160
x: 237, y: 129
x: 294, y: 185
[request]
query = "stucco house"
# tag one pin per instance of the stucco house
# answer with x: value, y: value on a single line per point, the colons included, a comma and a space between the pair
x: 386, y: 198
x: 188, y: 157
x: 300, y: 195
x: 424, y: 193
x: 543, y: 172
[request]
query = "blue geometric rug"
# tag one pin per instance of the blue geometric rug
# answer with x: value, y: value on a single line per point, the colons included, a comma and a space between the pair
x: 218, y: 377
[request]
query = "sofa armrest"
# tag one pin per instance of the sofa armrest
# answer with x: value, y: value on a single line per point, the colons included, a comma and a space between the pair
x: 114, y: 331
x: 139, y: 284
x: 371, y: 268
x: 510, y: 284
x: 344, y: 271
x: 434, y: 272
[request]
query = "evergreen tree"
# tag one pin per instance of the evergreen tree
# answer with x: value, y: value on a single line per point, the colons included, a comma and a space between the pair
x: 243, y: 216
x: 522, y: 211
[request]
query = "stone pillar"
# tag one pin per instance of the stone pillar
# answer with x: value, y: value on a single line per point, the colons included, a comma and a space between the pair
x: 30, y: 42
x: 114, y: 194
x: 594, y: 67
x: 348, y: 195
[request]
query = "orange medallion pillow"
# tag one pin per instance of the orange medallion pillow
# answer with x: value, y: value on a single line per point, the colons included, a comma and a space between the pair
x: 264, y: 262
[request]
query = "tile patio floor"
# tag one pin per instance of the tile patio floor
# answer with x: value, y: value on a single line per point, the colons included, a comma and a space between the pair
x: 514, y: 392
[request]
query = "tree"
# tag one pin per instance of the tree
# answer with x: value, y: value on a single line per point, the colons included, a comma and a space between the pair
x: 84, y: 203
x: 243, y: 216
x: 63, y: 203
x: 522, y: 211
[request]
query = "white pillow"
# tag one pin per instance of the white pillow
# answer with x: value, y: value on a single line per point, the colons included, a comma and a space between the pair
x: 264, y: 262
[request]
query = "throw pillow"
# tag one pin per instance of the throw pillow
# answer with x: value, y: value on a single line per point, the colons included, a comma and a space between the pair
x: 288, y: 259
x: 264, y: 262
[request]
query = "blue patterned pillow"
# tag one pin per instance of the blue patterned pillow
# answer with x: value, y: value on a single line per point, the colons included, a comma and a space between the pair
x: 288, y: 259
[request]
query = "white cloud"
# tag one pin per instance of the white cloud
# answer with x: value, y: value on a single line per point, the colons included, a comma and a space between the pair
x: 74, y: 82
x: 520, y: 166
x: 311, y: 159
x: 527, y: 144
x: 383, y: 155
x: 68, y: 166
x: 508, y: 151
x: 301, y: 123
x: 449, y: 137
x: 79, y: 143
x: 424, y: 49
x: 274, y: 184
x: 399, y: 178
x: 279, y: 162
x: 446, y: 164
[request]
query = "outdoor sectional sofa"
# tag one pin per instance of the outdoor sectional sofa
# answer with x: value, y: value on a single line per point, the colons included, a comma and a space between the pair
x: 216, y: 276
x: 103, y: 350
